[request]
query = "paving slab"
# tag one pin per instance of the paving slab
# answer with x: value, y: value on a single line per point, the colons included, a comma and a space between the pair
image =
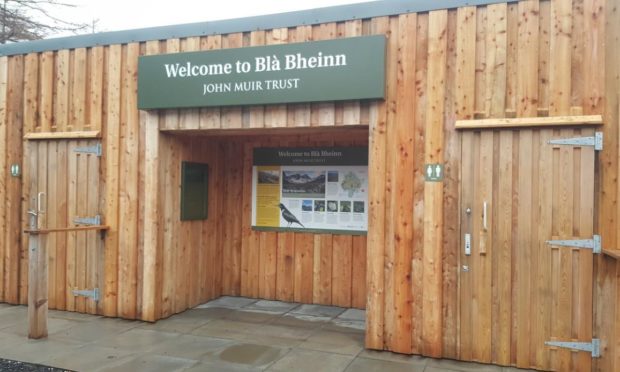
x: 247, y: 355
x: 38, y: 351
x: 376, y: 365
x: 344, y: 325
x: 318, y: 310
x: 334, y: 342
x: 138, y: 340
x: 152, y: 363
x: 191, y: 347
x: 228, y: 302
x: 353, y: 314
x: 251, y: 317
x: 394, y: 357
x: 454, y: 365
x: 271, y: 307
x: 86, y: 332
x: 311, y: 361
x: 301, y: 321
x: 91, y: 358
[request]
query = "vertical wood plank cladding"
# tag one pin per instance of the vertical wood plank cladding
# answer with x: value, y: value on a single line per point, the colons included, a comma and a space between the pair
x: 433, y: 192
x: 285, y: 272
x: 3, y: 165
x: 128, y: 191
x: 168, y: 222
x: 31, y: 84
x: 527, y: 103
x: 250, y: 240
x: 151, y: 206
x: 111, y: 167
x: 391, y: 74
x: 419, y: 124
x: 527, y: 63
x: 464, y: 102
x: 560, y: 57
x: 544, y: 41
x: 62, y: 219
x: 512, y: 45
x: 341, y: 270
x: 605, y: 20
x: 503, y: 256
x: 304, y: 257
x: 95, y: 89
x: 376, y: 213
x: 593, y: 70
x: 400, y: 145
x: 267, y: 265
x: 77, y: 89
x: 577, y: 56
x: 61, y: 90
x: 452, y: 155
x: 46, y: 86
x: 14, y: 133
x: 358, y: 274
x: 322, y: 286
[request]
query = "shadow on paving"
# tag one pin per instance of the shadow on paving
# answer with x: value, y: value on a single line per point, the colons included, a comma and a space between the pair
x: 16, y: 366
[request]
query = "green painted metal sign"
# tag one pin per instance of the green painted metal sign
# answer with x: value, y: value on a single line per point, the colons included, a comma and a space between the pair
x: 332, y: 70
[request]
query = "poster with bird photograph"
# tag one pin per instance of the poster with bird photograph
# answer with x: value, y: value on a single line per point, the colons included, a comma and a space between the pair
x: 314, y: 198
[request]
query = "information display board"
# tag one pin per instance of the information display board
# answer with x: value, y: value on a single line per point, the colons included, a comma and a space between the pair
x: 310, y: 189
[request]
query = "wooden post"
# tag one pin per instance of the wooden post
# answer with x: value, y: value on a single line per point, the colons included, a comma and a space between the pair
x: 37, y: 282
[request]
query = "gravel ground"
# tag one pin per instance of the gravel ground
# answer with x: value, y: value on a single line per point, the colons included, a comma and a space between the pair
x: 13, y: 365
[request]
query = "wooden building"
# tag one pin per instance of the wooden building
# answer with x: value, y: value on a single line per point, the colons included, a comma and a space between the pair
x: 458, y: 269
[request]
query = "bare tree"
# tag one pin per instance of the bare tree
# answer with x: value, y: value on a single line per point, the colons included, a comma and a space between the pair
x: 32, y: 20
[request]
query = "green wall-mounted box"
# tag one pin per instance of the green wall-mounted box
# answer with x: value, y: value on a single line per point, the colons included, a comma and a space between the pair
x: 194, y: 191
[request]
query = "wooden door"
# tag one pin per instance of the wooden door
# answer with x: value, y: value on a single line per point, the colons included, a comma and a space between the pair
x: 69, y: 178
x: 516, y: 291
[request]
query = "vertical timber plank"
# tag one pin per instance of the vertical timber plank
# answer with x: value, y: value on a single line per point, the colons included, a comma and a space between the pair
x: 112, y: 164
x: 375, y: 321
x: 433, y: 191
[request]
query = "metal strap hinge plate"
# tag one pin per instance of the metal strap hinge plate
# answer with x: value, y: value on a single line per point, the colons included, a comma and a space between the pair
x: 91, y: 221
x: 594, y: 244
x: 596, y: 141
x: 94, y: 293
x: 593, y: 347
x: 96, y: 149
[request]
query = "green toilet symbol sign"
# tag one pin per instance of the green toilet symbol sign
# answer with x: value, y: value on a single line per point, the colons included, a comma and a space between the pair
x: 433, y: 172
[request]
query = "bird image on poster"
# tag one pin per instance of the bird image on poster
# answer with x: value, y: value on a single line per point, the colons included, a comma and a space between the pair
x: 289, y: 217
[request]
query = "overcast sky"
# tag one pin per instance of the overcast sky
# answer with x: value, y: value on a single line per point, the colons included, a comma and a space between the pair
x: 114, y: 15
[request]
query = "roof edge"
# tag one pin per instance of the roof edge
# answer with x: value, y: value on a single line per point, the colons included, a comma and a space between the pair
x: 262, y: 22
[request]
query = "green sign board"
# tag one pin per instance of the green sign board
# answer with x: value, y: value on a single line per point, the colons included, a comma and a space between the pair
x: 332, y: 70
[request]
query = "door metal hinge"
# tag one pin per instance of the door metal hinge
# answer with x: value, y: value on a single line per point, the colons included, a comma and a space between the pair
x: 593, y: 347
x: 596, y: 141
x: 90, y: 221
x: 594, y: 244
x: 94, y: 293
x: 96, y: 149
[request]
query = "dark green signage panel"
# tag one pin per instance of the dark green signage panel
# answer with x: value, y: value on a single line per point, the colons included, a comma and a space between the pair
x: 311, y: 156
x: 332, y: 70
